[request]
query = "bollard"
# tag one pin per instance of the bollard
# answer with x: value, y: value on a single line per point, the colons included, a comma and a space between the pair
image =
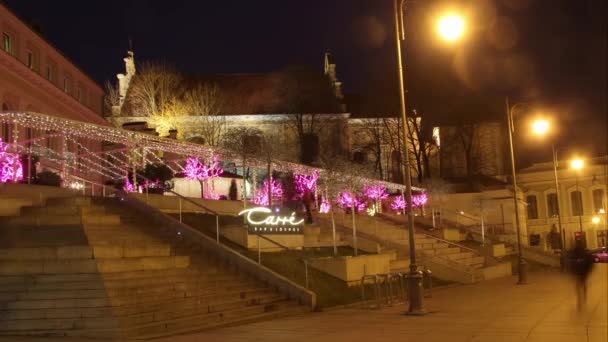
x: 180, y: 209
x: 217, y: 228
x: 429, y: 281
x: 306, y: 272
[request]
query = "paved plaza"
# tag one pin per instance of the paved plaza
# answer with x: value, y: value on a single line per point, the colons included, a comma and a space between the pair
x: 492, y: 311
x: 498, y: 310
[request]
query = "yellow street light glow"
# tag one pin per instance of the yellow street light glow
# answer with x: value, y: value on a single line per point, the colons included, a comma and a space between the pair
x: 451, y: 27
x: 595, y: 219
x: 577, y: 164
x: 540, y: 126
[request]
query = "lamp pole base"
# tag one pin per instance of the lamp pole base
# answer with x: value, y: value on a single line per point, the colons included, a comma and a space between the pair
x: 522, y: 268
x: 415, y: 290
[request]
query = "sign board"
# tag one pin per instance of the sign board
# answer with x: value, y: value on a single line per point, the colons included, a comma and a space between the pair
x: 263, y: 220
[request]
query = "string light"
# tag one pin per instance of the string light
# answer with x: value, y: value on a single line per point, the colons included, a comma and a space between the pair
x: 74, y: 130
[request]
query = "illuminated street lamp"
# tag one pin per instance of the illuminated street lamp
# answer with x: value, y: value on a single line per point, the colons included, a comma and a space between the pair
x: 577, y: 164
x: 541, y: 127
x: 451, y: 28
x: 595, y: 220
x: 522, y: 267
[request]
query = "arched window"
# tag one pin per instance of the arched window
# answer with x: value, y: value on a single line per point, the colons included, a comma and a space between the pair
x: 532, y: 207
x: 598, y: 200
x: 576, y: 202
x: 552, y: 205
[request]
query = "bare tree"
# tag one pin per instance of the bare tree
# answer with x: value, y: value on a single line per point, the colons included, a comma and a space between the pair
x: 419, y: 146
x: 155, y: 93
x: 111, y: 99
x: 436, y: 189
x: 308, y: 97
x: 375, y: 139
x: 205, y: 102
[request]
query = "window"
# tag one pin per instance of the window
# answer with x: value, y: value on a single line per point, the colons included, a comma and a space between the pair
x: 49, y: 72
x: 552, y: 205
x: 67, y: 85
x: 576, y: 200
x: 6, y: 42
x: 29, y: 59
x: 598, y: 200
x: 532, y: 207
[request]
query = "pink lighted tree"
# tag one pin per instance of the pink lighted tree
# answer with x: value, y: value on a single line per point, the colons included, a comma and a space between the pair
x: 203, y: 172
x: 261, y: 196
x: 375, y: 192
x: 399, y: 204
x: 347, y: 200
x: 128, y: 186
x: 325, y: 206
x: 306, y: 183
x: 10, y: 165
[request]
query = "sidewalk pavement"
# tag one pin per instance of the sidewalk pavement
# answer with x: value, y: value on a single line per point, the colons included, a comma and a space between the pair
x: 497, y: 310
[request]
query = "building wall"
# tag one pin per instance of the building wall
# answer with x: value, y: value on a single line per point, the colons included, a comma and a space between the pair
x: 487, y: 141
x: 25, y: 84
x: 538, y: 181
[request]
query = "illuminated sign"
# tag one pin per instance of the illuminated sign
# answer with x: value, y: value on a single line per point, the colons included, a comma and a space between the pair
x: 263, y: 220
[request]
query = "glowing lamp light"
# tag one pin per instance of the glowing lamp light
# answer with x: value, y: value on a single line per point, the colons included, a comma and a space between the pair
x: 595, y: 220
x: 577, y: 164
x: 540, y: 127
x: 451, y: 27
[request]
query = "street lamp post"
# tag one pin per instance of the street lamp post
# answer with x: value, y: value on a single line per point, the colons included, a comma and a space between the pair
x: 451, y: 28
x: 415, y: 278
x: 521, y: 263
x: 559, y: 209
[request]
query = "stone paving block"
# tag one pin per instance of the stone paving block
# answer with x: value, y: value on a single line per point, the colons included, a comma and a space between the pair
x: 108, y: 252
x: 75, y: 252
x: 69, y: 266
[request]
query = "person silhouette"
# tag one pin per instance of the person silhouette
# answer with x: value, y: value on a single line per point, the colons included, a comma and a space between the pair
x: 581, y: 264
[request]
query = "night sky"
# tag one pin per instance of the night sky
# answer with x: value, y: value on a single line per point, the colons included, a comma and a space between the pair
x: 549, y: 52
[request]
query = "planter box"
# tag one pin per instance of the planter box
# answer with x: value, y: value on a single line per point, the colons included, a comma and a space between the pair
x: 350, y: 268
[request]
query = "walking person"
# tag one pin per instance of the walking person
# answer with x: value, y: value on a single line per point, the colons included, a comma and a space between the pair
x: 581, y: 264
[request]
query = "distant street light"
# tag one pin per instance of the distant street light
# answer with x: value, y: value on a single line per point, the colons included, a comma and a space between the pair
x: 577, y: 164
x: 540, y: 127
x: 595, y: 219
x: 451, y: 28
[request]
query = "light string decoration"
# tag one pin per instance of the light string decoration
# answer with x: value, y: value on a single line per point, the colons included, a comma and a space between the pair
x: 110, y: 164
x: 11, y: 169
x: 261, y: 195
x: 203, y: 173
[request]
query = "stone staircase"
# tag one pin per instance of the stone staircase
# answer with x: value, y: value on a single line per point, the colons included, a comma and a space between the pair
x: 85, y: 268
x: 448, y: 261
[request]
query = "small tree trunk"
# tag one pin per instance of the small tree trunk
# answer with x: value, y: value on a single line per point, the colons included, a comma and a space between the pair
x: 333, y: 230
x: 352, y: 211
x: 269, y: 186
